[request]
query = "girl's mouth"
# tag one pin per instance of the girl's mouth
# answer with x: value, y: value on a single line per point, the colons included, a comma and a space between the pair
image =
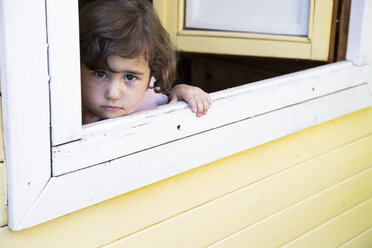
x: 112, y: 108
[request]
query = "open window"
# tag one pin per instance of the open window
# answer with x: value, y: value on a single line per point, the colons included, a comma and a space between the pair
x: 285, y: 29
x: 56, y: 166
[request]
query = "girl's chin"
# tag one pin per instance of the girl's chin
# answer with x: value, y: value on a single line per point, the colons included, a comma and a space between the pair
x: 117, y: 114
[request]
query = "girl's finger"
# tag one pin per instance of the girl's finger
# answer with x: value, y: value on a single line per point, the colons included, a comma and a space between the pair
x: 206, y: 103
x: 208, y: 100
x: 192, y: 102
x: 201, y: 107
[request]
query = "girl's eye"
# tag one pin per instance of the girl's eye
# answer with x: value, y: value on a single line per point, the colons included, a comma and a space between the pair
x: 130, y: 78
x: 100, y: 74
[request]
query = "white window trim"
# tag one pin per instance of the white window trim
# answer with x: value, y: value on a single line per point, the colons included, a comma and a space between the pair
x: 145, y: 147
x: 126, y: 136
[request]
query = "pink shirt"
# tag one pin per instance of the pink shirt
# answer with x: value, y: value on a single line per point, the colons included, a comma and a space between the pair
x: 152, y: 99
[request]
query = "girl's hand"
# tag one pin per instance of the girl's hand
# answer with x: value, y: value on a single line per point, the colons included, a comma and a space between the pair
x: 198, y: 100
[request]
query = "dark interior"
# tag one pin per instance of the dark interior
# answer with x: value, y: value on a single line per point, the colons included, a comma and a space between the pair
x: 217, y: 72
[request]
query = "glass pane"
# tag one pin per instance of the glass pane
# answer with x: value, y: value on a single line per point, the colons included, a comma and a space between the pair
x: 288, y: 17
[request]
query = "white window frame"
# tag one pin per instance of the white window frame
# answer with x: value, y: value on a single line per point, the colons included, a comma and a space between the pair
x: 52, y: 172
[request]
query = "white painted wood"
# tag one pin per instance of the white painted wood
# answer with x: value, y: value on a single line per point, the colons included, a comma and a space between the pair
x: 359, y: 49
x: 35, y: 197
x: 289, y: 17
x: 64, y: 68
x: 120, y: 137
x: 25, y: 95
x: 89, y: 186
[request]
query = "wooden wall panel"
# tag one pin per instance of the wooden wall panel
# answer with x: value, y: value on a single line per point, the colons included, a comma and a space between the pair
x: 1, y: 132
x: 363, y: 240
x: 126, y: 215
x: 306, y: 215
x: 3, y: 197
x: 266, y: 199
x: 335, y: 232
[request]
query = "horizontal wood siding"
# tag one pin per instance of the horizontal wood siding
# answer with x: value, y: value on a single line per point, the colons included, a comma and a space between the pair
x: 291, y: 222
x: 1, y: 132
x: 363, y: 240
x: 3, y: 196
x: 343, y: 227
x: 276, y: 209
x: 295, y: 190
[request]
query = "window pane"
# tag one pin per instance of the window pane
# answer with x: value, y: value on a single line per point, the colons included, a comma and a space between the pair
x: 289, y: 17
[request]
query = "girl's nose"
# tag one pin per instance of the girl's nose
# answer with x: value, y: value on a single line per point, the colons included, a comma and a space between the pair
x: 114, y: 90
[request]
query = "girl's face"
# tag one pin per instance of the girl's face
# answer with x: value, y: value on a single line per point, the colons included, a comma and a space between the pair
x: 114, y: 93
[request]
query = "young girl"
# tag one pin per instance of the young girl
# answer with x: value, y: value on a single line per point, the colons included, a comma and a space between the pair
x: 128, y: 61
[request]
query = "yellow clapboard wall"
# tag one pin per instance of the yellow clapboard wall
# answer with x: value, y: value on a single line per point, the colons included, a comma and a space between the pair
x: 309, y: 189
x: 3, y: 197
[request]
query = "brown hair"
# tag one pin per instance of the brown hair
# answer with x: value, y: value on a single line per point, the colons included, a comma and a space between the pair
x: 127, y: 28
